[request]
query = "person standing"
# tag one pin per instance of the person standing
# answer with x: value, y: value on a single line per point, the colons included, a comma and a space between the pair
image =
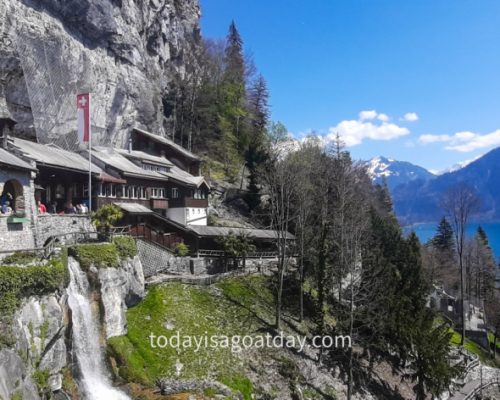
x: 42, y: 209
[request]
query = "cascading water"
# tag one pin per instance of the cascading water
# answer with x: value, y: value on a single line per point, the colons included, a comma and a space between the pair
x: 94, y: 384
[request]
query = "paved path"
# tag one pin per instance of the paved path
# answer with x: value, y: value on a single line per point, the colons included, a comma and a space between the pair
x: 489, y: 374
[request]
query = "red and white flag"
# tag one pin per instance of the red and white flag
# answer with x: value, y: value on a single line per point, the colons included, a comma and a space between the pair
x: 83, y: 107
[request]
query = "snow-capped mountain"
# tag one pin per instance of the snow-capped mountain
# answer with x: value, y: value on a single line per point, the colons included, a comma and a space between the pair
x: 419, y: 201
x: 396, y: 172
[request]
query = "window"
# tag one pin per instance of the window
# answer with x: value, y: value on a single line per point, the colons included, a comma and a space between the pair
x: 158, y: 193
x: 133, y: 192
x: 175, y: 193
x: 122, y: 191
x: 142, y: 192
x: 85, y: 190
x: 199, y: 194
x: 110, y: 190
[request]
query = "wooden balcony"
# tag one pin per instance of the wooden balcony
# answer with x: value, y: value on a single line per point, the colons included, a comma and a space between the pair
x: 188, y: 202
x: 158, y: 204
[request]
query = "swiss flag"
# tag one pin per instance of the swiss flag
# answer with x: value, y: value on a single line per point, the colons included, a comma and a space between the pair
x: 83, y: 107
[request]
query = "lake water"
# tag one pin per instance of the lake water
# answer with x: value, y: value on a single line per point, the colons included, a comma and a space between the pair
x: 428, y: 230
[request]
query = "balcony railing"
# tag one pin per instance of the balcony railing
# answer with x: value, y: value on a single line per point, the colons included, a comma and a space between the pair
x: 188, y: 202
x: 158, y: 204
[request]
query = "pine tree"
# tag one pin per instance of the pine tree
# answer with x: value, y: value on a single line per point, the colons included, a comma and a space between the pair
x: 481, y: 234
x: 255, y: 155
x: 429, y: 357
x: 443, y: 240
x: 234, y: 60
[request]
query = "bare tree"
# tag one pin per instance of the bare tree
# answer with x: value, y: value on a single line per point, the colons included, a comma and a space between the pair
x: 460, y: 202
x: 280, y: 185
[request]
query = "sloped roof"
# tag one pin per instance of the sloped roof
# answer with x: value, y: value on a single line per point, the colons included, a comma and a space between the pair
x: 11, y: 160
x: 115, y: 160
x: 180, y: 175
x: 50, y: 155
x: 134, y: 208
x: 216, y: 231
x: 142, y: 156
x: 168, y: 142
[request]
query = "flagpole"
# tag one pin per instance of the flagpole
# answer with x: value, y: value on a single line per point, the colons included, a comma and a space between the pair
x: 90, y: 158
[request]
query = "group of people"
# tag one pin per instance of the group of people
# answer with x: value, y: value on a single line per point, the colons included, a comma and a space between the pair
x: 5, y: 204
x: 68, y: 209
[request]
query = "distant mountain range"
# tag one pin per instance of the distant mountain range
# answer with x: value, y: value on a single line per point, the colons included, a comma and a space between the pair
x: 417, y: 193
x: 396, y: 172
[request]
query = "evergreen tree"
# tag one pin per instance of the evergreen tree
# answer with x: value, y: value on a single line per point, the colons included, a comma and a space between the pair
x: 429, y: 357
x: 481, y: 234
x: 233, y: 140
x: 255, y: 155
x: 234, y: 60
x: 383, y: 200
x: 443, y: 240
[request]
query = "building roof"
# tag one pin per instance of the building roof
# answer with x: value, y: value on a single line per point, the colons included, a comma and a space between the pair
x: 115, y: 160
x: 11, y: 160
x: 53, y: 156
x: 142, y: 156
x: 169, y: 143
x: 134, y: 208
x: 182, y: 176
x: 216, y: 231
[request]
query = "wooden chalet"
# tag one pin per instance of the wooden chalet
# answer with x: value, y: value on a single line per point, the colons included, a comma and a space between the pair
x: 164, y: 147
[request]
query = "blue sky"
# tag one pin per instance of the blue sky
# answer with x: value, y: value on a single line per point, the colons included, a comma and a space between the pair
x: 327, y: 61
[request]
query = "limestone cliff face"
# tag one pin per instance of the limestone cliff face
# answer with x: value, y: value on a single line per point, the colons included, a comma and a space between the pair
x: 123, y: 51
x: 120, y: 288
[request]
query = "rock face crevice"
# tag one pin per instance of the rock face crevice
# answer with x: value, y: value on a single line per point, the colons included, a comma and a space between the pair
x: 124, y: 52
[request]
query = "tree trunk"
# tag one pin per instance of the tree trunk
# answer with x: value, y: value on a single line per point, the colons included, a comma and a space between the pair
x: 462, y: 341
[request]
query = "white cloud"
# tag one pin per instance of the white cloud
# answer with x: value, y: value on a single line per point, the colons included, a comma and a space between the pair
x: 383, y: 117
x: 367, y: 115
x: 426, y: 139
x: 368, y: 126
x: 410, y: 117
x: 464, y: 141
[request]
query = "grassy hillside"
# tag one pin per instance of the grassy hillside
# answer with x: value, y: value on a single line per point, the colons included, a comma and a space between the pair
x: 236, y: 306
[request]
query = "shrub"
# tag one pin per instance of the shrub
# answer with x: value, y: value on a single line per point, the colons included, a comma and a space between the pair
x: 41, y: 377
x: 20, y: 258
x: 17, y: 283
x: 126, y: 246
x: 181, y: 249
x: 106, y: 216
x: 99, y: 255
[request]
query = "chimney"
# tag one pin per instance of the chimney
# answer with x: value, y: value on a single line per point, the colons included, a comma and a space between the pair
x: 6, y: 120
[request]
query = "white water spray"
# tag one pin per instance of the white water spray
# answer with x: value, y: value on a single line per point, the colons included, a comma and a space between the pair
x: 94, y: 384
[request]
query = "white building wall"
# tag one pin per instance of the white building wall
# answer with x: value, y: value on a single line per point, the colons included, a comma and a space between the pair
x: 188, y: 215
x: 196, y: 216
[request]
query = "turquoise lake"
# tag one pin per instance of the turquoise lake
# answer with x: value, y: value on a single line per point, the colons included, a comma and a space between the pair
x: 426, y: 231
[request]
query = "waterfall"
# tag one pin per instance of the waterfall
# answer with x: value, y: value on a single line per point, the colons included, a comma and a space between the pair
x: 94, y: 384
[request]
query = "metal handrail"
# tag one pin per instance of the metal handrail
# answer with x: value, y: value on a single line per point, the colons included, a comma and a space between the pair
x: 222, y: 253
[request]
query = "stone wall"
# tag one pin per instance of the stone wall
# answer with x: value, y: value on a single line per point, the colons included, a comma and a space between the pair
x: 18, y: 236
x: 48, y: 225
x: 156, y: 259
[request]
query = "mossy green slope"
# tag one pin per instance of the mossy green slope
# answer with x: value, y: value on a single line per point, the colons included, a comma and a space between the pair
x: 236, y: 306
